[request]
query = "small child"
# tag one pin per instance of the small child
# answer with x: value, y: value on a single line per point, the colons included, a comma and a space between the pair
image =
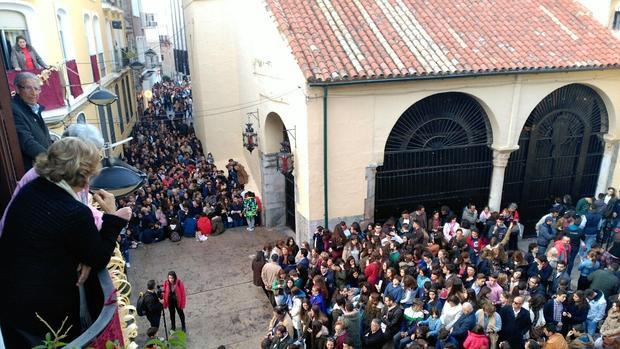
x: 150, y: 334
x: 433, y: 323
x: 249, y: 210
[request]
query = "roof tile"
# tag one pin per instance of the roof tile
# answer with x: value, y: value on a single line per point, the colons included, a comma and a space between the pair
x: 363, y: 39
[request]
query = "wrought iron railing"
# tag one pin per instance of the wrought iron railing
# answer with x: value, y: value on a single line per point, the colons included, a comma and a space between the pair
x: 104, y: 319
x: 116, y: 322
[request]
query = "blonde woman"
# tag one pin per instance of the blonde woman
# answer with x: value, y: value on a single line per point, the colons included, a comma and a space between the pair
x: 48, y: 232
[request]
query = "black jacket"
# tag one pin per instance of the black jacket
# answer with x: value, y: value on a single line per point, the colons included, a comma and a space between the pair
x: 34, y: 137
x: 513, y: 328
x: 46, y: 235
x: 153, y: 306
x: 392, y: 319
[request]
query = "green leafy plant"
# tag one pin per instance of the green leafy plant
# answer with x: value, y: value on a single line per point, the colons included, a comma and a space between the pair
x: 176, y: 340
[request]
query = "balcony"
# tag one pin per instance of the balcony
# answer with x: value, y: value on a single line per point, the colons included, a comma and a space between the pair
x: 116, y: 321
x: 52, y: 91
x: 61, y: 90
x: 107, y: 326
x: 112, y: 5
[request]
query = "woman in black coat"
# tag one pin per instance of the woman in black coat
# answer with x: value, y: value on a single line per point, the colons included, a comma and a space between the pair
x: 575, y: 312
x: 48, y: 232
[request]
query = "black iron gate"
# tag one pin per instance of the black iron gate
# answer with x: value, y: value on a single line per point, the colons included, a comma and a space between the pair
x: 437, y: 154
x: 560, y: 152
x: 289, y: 190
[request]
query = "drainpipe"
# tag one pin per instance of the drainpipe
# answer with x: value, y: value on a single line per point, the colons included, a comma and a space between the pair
x: 325, y: 195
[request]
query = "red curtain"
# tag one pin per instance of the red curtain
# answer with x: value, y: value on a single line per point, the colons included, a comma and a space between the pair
x: 52, y: 91
x: 112, y: 332
x: 93, y: 64
x: 75, y: 85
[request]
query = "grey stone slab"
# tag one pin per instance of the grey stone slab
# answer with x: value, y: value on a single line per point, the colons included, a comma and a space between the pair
x: 223, y: 306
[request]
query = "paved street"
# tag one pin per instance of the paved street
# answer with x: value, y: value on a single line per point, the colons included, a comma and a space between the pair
x: 223, y: 306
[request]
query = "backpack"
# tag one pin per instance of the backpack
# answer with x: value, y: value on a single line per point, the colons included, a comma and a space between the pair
x: 175, y: 237
x: 141, y: 306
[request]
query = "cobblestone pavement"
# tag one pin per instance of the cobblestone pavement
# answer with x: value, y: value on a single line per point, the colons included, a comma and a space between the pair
x: 223, y: 305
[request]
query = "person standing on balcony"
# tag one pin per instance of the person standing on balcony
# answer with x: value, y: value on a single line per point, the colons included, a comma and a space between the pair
x: 34, y: 137
x: 85, y: 132
x: 48, y: 232
x: 25, y: 57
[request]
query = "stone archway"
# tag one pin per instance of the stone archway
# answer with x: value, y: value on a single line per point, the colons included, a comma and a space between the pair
x: 560, y: 150
x: 437, y: 153
x: 278, y: 190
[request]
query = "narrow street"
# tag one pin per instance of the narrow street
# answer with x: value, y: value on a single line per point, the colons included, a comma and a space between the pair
x: 223, y: 306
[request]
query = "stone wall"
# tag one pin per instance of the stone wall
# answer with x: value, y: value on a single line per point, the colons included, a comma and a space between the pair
x: 273, y: 199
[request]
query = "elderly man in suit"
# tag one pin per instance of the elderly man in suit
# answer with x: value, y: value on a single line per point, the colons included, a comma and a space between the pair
x: 515, y: 323
x: 34, y: 137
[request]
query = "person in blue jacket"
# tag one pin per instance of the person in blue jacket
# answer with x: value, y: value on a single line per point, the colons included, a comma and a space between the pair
x: 465, y: 323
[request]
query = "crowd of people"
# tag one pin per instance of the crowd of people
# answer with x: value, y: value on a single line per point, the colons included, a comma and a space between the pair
x: 417, y: 281
x: 170, y: 98
x: 185, y: 194
x: 448, y: 281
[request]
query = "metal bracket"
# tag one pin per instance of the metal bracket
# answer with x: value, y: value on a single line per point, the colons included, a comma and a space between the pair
x: 292, y: 132
x: 254, y: 114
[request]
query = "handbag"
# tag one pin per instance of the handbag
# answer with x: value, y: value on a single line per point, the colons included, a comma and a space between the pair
x: 493, y: 340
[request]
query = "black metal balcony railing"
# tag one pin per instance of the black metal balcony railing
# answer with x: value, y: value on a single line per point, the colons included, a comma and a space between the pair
x: 105, y: 317
x: 106, y: 326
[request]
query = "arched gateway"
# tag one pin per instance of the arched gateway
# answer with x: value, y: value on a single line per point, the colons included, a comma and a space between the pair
x: 560, y: 151
x: 436, y: 154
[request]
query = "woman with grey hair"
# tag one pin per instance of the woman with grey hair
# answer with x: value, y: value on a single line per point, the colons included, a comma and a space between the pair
x: 511, y: 217
x: 48, y: 232
x: 83, y: 131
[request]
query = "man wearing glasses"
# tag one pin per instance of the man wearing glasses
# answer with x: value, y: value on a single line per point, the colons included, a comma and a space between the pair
x: 34, y: 137
x: 516, y: 322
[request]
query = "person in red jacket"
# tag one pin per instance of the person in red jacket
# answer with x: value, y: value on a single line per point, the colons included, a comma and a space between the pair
x: 174, y: 299
x: 204, y: 226
x: 373, y: 270
x: 476, y: 339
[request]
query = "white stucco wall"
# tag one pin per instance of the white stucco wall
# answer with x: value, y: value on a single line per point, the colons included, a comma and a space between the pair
x: 241, y: 64
x: 360, y: 119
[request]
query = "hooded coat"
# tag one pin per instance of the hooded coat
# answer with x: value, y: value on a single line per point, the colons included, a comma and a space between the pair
x: 475, y: 341
x: 353, y: 323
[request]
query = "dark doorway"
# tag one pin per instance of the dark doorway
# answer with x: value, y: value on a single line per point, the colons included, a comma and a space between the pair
x: 560, y: 152
x: 437, y: 154
x: 289, y: 191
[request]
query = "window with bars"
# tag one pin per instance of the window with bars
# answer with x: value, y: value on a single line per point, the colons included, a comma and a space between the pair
x: 12, y: 25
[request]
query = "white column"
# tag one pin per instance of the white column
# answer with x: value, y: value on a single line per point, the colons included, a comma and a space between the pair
x: 369, y: 202
x: 500, y: 161
x: 606, y: 165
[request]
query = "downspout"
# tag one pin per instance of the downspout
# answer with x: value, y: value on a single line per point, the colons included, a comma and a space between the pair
x: 325, y: 191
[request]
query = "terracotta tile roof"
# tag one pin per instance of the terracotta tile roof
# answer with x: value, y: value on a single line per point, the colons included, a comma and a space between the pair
x: 336, y: 40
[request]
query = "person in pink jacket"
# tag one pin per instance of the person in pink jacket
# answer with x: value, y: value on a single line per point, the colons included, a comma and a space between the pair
x: 476, y: 339
x: 174, y: 299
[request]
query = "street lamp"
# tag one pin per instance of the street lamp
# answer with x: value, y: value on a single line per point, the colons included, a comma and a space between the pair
x: 250, y: 138
x: 285, y: 158
x: 116, y: 176
x: 102, y: 97
x: 136, y: 65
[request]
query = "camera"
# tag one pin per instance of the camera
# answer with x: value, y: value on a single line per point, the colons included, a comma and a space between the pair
x: 160, y: 292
